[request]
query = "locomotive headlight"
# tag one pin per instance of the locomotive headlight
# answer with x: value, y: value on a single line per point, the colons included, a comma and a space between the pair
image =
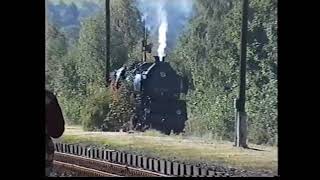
x: 163, y: 74
x: 147, y: 110
x: 178, y: 112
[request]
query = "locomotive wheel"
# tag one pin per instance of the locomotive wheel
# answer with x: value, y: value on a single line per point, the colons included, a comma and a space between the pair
x: 166, y: 131
x: 178, y: 129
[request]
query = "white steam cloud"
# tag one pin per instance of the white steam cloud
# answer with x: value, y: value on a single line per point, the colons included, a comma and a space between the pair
x: 162, y: 38
x: 165, y: 20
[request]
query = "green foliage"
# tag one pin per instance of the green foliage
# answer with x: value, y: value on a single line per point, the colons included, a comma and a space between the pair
x: 75, y: 64
x: 126, y: 33
x: 209, y: 54
x: 56, y: 46
x: 96, y: 110
x: 91, y: 50
x: 122, y: 107
x: 72, y: 109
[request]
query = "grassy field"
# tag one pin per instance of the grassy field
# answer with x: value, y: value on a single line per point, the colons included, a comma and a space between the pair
x: 179, y: 148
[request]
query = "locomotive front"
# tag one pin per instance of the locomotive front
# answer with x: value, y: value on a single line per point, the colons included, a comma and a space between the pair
x: 159, y: 88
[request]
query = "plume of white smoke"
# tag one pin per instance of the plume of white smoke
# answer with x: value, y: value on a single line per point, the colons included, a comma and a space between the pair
x: 165, y: 20
x: 163, y: 28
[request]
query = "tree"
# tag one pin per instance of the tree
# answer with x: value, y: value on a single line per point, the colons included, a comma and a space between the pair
x: 91, y: 50
x: 55, y: 49
x: 208, y: 53
x: 121, y: 109
x: 96, y: 110
x: 84, y: 97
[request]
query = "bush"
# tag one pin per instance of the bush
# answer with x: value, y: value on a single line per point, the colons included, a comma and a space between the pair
x: 121, y: 109
x: 95, y: 110
x: 71, y: 108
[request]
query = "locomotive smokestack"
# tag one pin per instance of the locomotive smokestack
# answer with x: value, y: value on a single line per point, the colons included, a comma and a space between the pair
x: 157, y: 59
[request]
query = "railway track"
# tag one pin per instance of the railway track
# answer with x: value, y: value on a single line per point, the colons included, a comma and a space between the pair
x: 90, y: 161
x: 83, y: 166
x: 79, y: 170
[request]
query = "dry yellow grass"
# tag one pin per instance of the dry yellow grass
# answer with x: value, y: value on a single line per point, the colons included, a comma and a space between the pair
x: 184, y: 149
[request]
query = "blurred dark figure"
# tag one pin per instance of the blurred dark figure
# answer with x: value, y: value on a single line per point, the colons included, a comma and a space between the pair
x: 54, y: 127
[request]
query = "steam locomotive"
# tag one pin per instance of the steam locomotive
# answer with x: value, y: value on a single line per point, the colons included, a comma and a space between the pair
x: 158, y: 92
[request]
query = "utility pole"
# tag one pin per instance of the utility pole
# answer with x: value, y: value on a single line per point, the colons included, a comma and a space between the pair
x: 144, y: 43
x: 107, y: 42
x: 46, y: 28
x: 46, y: 16
x: 241, y: 117
x: 146, y: 48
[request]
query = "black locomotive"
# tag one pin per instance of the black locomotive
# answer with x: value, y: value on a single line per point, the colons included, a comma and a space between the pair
x: 158, y: 90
